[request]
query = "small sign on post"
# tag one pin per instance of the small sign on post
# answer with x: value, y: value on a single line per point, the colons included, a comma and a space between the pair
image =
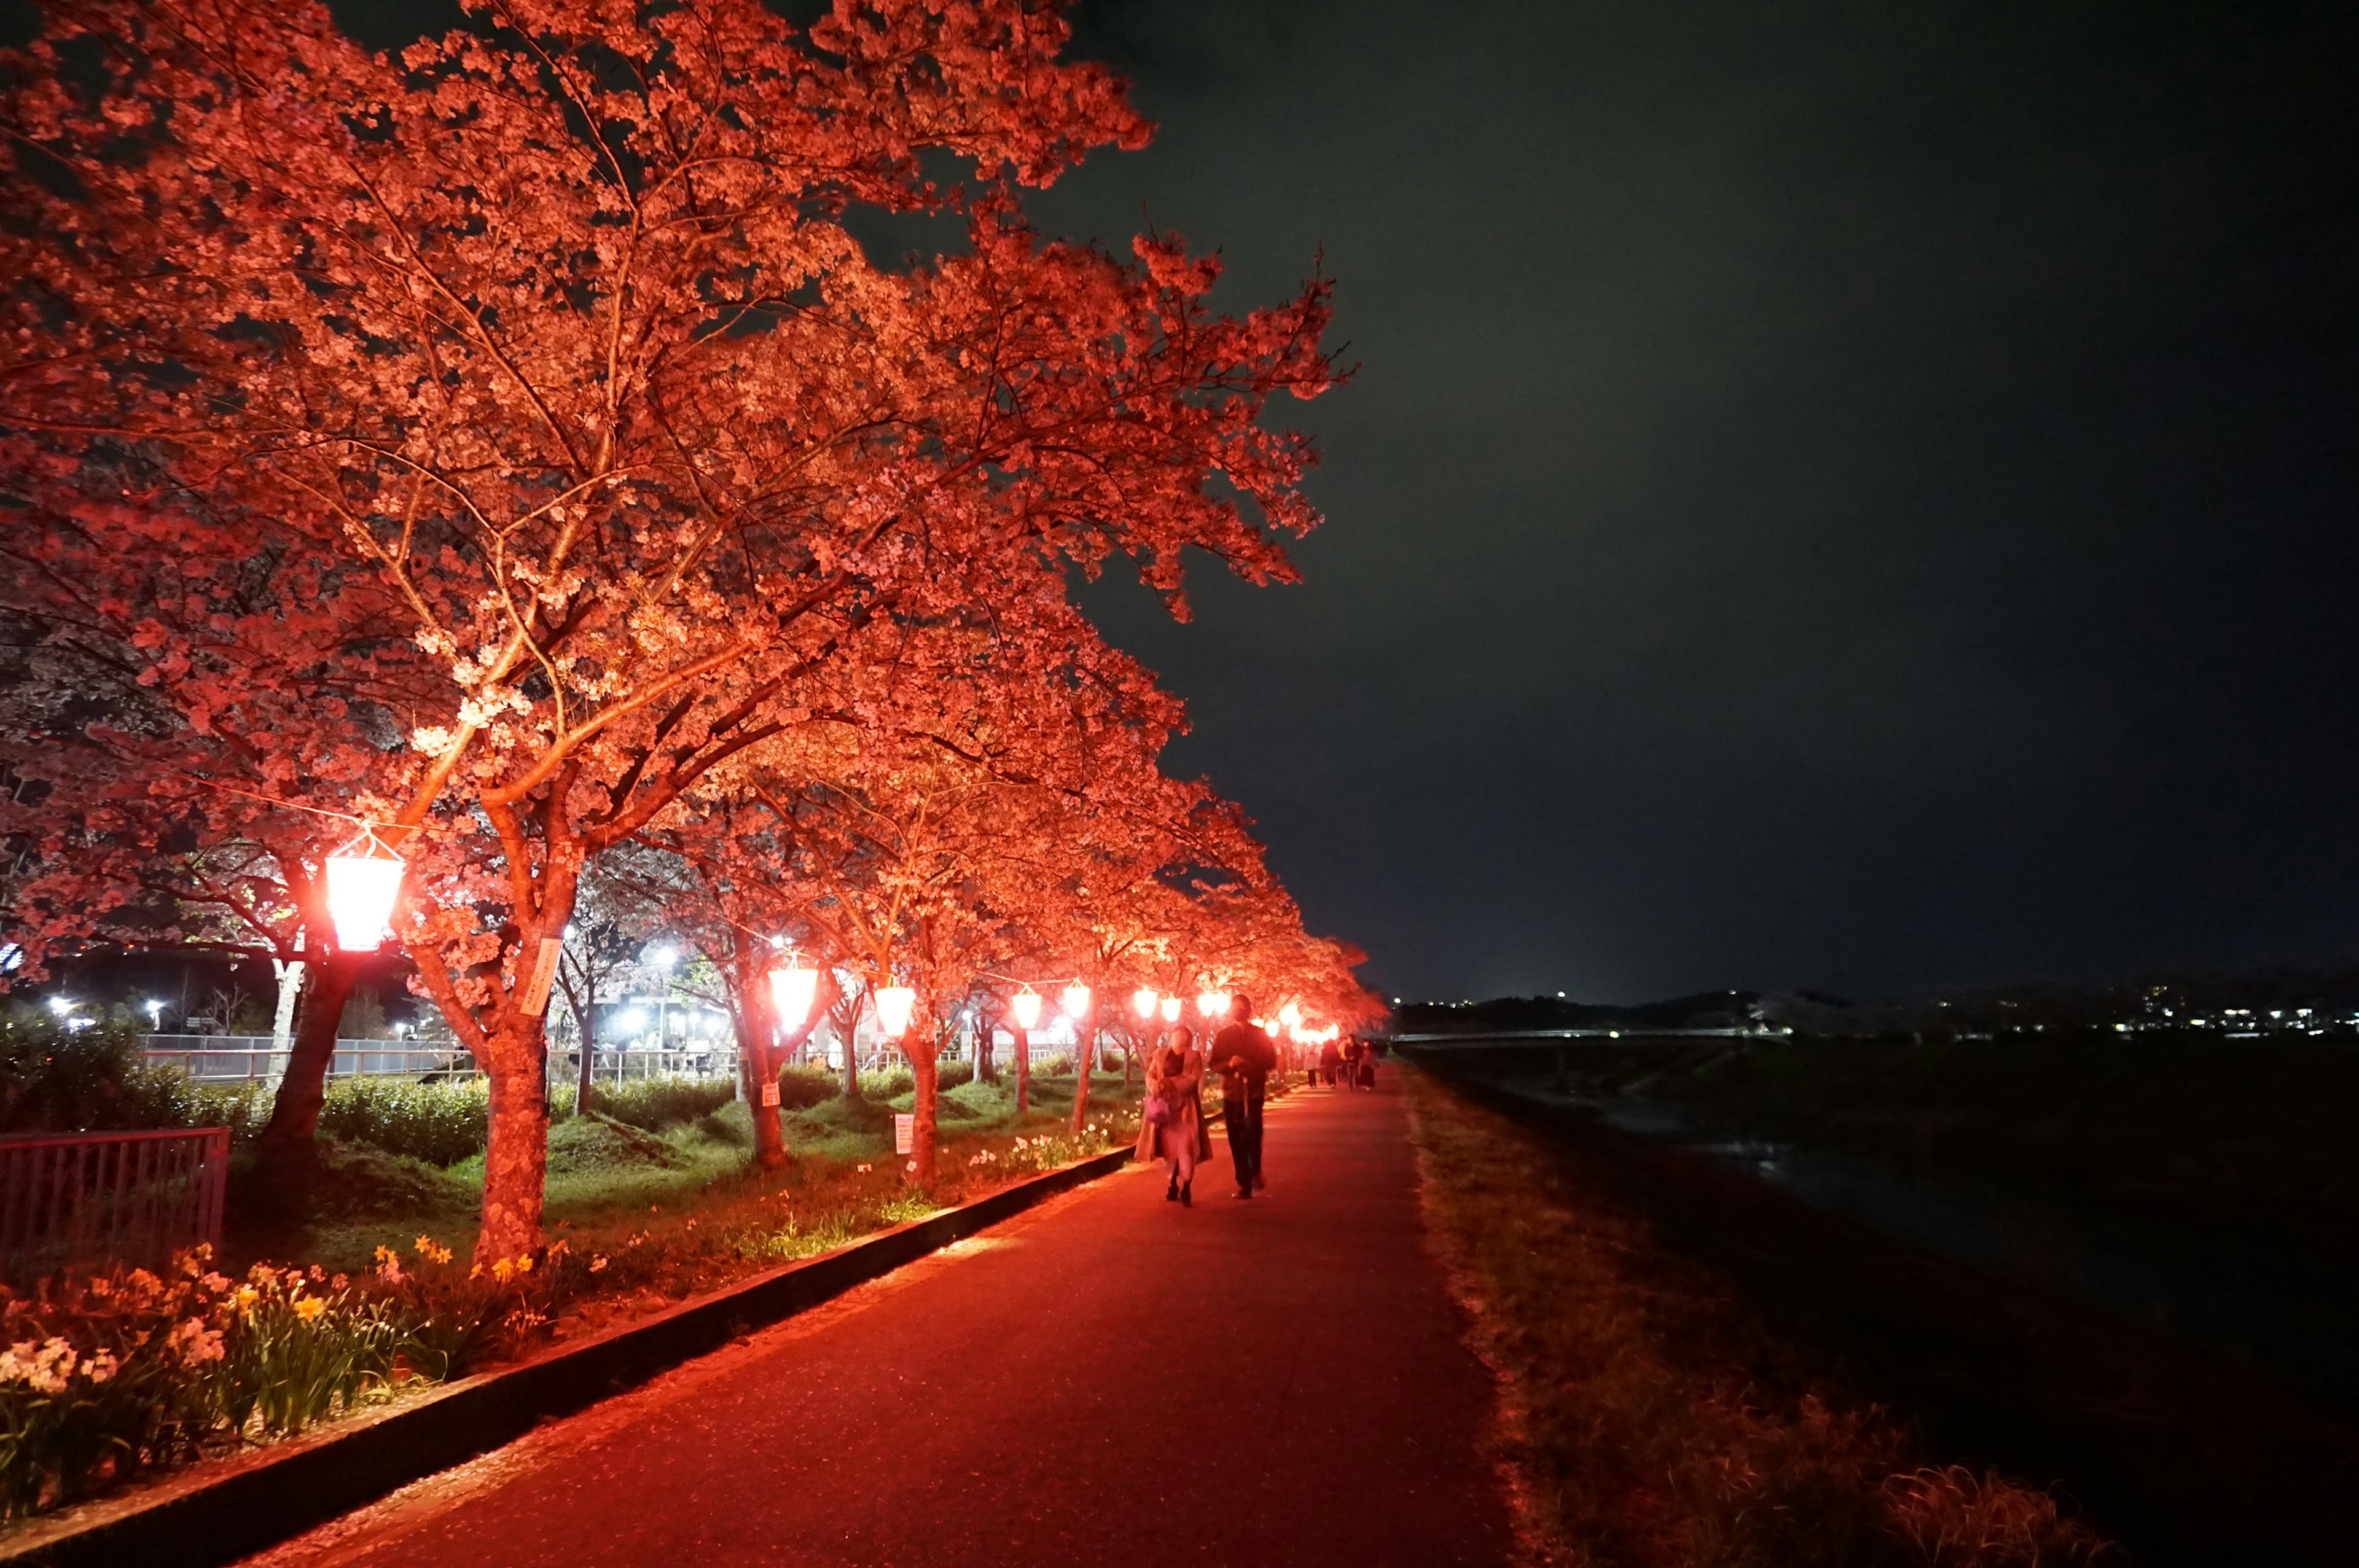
x: 544, y: 974
x: 770, y: 1092
x: 905, y: 1134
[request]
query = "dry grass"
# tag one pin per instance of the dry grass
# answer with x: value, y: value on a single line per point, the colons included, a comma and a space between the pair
x: 1649, y: 1421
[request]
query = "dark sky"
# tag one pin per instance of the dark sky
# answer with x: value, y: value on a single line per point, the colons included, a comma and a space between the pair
x: 1853, y: 496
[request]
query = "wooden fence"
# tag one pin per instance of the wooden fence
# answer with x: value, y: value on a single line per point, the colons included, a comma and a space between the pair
x: 104, y: 1197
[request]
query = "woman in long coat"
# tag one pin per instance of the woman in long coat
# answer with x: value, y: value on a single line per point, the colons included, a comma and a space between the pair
x: 1175, y: 1077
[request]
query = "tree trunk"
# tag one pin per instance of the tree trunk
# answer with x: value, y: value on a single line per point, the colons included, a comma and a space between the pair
x: 923, y: 1071
x: 848, y: 1027
x: 285, y: 1148
x: 515, y: 1166
x: 759, y: 1074
x: 1085, y: 1052
x: 986, y: 1072
x: 1021, y: 1044
x: 583, y: 1011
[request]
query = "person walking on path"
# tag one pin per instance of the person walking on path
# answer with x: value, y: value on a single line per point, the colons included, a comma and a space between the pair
x: 1171, y: 1127
x: 1244, y: 1056
x: 1330, y: 1058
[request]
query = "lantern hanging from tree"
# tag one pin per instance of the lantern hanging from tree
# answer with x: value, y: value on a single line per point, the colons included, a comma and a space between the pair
x: 793, y: 988
x: 1144, y: 1000
x: 1025, y: 1006
x: 1076, y: 1001
x: 364, y: 880
x: 1170, y: 1010
x: 1211, y: 1004
x: 1289, y: 1015
x: 894, y: 1005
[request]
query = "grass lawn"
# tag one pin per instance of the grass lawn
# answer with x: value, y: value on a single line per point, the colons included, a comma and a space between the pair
x: 683, y: 1210
x: 1649, y: 1418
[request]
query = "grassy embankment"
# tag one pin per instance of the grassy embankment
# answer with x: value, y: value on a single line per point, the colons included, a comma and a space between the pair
x: 1650, y: 1420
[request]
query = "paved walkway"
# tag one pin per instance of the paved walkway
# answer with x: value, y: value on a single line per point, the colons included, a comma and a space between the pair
x: 1108, y: 1379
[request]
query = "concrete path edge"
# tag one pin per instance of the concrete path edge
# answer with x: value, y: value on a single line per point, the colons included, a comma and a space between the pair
x: 207, y: 1521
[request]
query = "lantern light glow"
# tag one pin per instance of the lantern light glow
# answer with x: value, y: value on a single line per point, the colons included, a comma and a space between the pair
x: 362, y: 888
x: 1025, y: 1007
x: 1144, y: 1000
x: 894, y: 1005
x: 1211, y: 1004
x: 1289, y: 1015
x: 1076, y: 1001
x: 1170, y: 1010
x: 793, y: 991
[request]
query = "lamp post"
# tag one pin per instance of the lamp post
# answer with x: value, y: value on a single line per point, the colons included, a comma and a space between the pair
x: 894, y: 1005
x: 364, y: 881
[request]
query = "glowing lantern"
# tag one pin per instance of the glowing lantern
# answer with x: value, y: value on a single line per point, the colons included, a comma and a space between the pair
x: 1076, y: 1000
x: 1170, y: 1010
x: 1144, y: 1001
x: 1289, y: 1015
x: 1026, y: 1008
x: 1211, y: 1004
x: 793, y: 991
x: 894, y: 1005
x: 362, y: 887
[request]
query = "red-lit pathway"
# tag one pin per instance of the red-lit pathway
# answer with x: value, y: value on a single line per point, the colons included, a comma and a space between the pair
x: 1107, y: 1379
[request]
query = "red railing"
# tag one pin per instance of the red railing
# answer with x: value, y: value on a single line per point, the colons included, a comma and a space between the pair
x: 96, y: 1198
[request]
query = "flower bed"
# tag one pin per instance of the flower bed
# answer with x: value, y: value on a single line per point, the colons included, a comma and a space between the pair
x: 104, y: 1376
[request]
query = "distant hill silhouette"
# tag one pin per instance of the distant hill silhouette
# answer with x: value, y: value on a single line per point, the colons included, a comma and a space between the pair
x: 2252, y: 996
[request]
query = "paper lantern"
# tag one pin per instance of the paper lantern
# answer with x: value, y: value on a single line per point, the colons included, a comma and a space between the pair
x: 1026, y: 1008
x: 1170, y: 1010
x: 1289, y: 1015
x: 793, y: 991
x: 894, y: 1005
x: 362, y: 888
x: 1077, y: 1000
x: 1144, y: 1000
x: 1211, y: 1004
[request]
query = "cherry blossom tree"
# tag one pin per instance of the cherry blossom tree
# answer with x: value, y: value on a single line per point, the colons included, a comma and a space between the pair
x: 550, y: 335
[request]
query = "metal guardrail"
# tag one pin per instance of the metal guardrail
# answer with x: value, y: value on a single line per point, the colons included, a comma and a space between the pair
x: 236, y: 1058
x: 244, y: 1058
x: 105, y: 1197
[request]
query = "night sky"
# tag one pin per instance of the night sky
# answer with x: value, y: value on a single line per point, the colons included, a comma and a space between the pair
x: 1857, y: 497
x: 1842, y: 496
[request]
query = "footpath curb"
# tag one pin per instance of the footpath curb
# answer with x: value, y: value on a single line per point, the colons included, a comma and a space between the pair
x: 206, y: 1521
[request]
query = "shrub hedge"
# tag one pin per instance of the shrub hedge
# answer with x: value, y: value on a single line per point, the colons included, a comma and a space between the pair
x: 802, y: 1086
x: 440, y: 1123
x: 658, y: 1103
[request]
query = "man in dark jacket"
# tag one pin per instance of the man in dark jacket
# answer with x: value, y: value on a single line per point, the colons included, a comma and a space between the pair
x: 1246, y: 1059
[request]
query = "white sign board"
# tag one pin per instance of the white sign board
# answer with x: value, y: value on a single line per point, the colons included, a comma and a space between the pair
x: 905, y: 1134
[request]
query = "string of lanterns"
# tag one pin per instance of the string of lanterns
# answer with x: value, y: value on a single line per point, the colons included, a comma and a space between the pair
x: 363, y: 883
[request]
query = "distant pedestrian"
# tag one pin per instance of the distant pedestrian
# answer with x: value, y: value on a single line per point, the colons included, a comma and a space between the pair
x: 1363, y: 1063
x: 1244, y: 1057
x: 1330, y: 1060
x: 1171, y: 1127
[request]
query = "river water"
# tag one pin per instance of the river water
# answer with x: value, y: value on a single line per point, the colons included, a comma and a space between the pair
x: 2295, y: 1314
